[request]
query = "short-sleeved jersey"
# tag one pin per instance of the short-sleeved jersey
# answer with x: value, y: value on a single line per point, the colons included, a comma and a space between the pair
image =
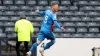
x: 48, y: 21
x: 24, y: 28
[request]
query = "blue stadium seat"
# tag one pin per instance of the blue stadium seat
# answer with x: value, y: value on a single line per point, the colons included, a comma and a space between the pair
x: 69, y: 24
x: 3, y: 8
x: 94, y: 3
x: 47, y: 7
x: 70, y: 30
x: 65, y: 3
x: 9, y: 29
x: 38, y: 19
x: 8, y: 2
x: 59, y: 13
x: 31, y: 2
x: 78, y: 35
x: 73, y: 8
x: 21, y: 13
x: 89, y: 35
x: 14, y: 8
x: 97, y: 19
x: 9, y: 13
x: 36, y: 24
x: 19, y: 2
x: 0, y: 2
x: 40, y: 7
x: 12, y: 37
x: 4, y: 19
x: 64, y: 19
x: 82, y: 30
x: 94, y: 30
x: 1, y: 13
x: 97, y: 8
x: 93, y: 14
x: 75, y: 19
x: 66, y: 35
x: 81, y: 24
x: 57, y: 30
x: 30, y: 13
x: 25, y: 8
x: 87, y: 8
x: 14, y: 18
x: 30, y: 18
x: 83, y: 3
x: 1, y: 24
x: 69, y: 13
x: 2, y: 35
x: 98, y: 35
x: 63, y: 8
x: 86, y: 19
x: 92, y: 24
x: 9, y: 24
x: 80, y: 14
x: 43, y: 3
x: 1, y: 30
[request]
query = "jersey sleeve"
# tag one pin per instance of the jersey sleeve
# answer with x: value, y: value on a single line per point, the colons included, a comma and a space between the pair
x: 57, y: 24
x: 54, y: 17
x: 41, y: 12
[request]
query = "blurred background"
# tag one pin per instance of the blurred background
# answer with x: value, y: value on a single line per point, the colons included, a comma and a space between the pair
x: 81, y: 18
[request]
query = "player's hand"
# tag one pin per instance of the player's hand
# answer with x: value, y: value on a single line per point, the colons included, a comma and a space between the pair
x: 36, y: 11
x: 63, y: 29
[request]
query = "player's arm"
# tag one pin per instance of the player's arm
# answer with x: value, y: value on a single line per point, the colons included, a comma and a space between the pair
x: 40, y: 12
x: 56, y: 23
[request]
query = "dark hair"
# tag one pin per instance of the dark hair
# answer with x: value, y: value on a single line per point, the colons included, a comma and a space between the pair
x: 54, y: 3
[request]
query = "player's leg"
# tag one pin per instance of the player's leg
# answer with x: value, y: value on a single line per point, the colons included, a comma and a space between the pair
x: 17, y: 48
x: 26, y: 47
x: 34, y: 46
x: 49, y: 44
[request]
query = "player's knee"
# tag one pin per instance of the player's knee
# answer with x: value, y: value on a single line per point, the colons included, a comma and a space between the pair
x: 53, y: 41
x: 39, y: 42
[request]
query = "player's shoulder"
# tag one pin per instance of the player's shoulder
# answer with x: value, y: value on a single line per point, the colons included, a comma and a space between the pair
x: 18, y: 22
x: 49, y: 11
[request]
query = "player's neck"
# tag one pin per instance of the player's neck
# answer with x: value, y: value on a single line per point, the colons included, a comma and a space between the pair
x: 53, y: 11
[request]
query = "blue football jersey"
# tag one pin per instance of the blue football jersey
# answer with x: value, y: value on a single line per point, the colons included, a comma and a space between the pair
x: 48, y: 20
